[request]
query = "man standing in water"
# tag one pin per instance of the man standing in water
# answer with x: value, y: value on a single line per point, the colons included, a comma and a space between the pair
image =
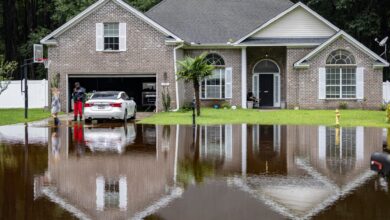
x: 78, y: 98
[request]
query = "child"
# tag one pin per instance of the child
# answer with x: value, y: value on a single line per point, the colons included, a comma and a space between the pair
x: 55, y: 105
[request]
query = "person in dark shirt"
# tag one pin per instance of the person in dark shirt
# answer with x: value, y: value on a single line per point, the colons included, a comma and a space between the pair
x: 78, y: 96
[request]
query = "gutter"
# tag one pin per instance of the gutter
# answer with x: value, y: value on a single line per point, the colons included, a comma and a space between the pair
x: 175, y: 69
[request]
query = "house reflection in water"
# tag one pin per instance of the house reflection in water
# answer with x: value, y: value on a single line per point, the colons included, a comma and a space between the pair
x: 136, y: 171
x: 110, y: 183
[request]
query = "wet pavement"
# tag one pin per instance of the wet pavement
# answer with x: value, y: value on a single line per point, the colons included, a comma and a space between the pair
x: 117, y: 171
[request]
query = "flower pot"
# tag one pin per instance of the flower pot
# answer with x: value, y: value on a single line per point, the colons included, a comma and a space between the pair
x: 250, y: 104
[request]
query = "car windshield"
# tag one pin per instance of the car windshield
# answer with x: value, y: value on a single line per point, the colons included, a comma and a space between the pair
x: 105, y: 95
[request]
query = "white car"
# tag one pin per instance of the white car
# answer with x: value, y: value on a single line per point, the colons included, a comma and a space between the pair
x: 110, y: 105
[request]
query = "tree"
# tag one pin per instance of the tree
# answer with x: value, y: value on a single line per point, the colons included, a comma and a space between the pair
x: 6, y: 70
x: 195, y: 70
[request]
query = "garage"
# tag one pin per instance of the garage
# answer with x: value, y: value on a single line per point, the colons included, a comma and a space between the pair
x: 142, y: 88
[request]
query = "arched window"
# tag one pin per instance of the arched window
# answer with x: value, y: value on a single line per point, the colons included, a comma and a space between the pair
x: 213, y: 87
x: 266, y: 66
x: 340, y: 75
x: 340, y: 57
x: 215, y: 59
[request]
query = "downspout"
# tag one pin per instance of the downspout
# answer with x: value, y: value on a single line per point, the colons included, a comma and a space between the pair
x: 177, y: 83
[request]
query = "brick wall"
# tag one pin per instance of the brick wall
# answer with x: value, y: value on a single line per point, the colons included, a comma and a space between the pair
x: 232, y: 59
x: 146, y: 51
x: 293, y: 55
x: 303, y: 84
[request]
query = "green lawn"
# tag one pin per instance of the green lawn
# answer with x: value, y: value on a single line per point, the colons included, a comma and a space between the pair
x: 296, y: 117
x: 13, y: 116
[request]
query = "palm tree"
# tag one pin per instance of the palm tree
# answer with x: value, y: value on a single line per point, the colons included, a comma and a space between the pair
x: 195, y: 70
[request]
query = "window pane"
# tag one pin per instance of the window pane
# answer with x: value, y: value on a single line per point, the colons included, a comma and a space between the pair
x: 349, y: 91
x: 266, y: 66
x: 332, y: 76
x: 341, y: 57
x: 214, y: 85
x: 348, y: 76
x: 111, y: 43
x: 111, y: 30
x: 332, y: 92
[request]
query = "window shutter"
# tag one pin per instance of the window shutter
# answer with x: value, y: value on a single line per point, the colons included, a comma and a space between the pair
x: 321, y: 83
x: 360, y: 83
x: 122, y: 37
x: 256, y: 86
x: 99, y: 37
x: 228, y: 82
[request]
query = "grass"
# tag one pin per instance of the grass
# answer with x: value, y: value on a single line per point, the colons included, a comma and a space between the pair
x: 349, y: 118
x: 13, y: 116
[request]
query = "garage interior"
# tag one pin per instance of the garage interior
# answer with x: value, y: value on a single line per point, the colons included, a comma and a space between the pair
x: 141, y: 88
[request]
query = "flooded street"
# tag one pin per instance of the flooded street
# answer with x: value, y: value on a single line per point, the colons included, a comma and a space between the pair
x: 116, y: 171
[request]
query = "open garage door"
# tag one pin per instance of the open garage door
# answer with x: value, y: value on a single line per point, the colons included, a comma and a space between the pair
x: 140, y: 87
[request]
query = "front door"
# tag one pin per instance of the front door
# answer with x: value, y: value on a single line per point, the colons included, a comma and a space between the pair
x: 266, y: 90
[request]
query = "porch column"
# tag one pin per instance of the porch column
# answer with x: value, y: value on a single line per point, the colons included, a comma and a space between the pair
x: 243, y: 77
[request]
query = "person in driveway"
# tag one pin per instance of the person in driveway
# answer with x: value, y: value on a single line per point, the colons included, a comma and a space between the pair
x: 55, y: 105
x: 78, y: 96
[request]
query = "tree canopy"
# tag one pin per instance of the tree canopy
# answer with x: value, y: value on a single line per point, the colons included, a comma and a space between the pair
x: 194, y: 70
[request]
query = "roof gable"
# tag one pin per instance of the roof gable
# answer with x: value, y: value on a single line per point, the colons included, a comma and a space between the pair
x: 302, y: 63
x: 94, y: 7
x: 296, y: 21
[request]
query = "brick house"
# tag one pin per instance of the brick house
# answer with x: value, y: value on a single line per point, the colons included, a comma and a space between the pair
x: 285, y: 54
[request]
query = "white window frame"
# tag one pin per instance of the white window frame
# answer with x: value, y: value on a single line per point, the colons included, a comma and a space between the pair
x: 221, y: 86
x: 111, y: 36
x: 341, y: 85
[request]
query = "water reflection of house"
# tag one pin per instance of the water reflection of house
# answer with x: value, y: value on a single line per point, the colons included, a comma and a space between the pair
x: 111, y: 184
x: 296, y: 170
x: 293, y: 171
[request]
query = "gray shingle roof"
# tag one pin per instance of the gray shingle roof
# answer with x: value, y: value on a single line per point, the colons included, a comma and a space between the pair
x: 215, y: 21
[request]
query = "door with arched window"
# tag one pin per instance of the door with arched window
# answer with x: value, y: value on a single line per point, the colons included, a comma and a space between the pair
x: 266, y: 83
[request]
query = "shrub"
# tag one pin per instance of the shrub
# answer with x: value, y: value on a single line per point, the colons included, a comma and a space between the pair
x: 166, y: 99
x: 226, y: 105
x: 186, y: 107
x: 388, y: 113
x: 343, y: 105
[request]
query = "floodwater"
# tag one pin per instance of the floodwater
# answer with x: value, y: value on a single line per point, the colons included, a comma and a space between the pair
x: 116, y: 171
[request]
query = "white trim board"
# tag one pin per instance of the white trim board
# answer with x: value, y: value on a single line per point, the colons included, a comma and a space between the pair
x: 47, y: 40
x: 299, y: 4
x: 301, y: 63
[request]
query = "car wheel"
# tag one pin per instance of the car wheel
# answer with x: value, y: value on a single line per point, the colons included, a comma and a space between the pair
x: 88, y: 120
x: 134, y: 115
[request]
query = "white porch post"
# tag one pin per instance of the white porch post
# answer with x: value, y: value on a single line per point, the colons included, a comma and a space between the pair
x: 243, y: 77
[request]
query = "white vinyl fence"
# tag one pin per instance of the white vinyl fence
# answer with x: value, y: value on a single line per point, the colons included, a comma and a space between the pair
x: 14, y: 98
